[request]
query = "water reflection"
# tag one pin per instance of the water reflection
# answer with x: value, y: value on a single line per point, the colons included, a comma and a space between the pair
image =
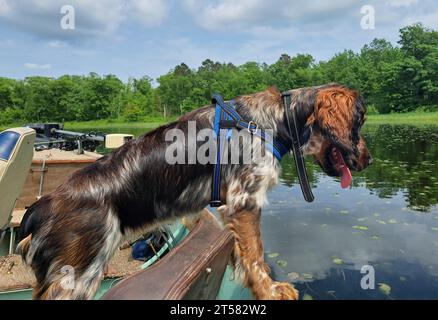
x: 404, y: 161
x: 388, y: 219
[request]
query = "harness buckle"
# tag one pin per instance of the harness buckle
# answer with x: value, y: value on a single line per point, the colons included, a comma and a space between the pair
x: 215, y: 203
x: 250, y: 130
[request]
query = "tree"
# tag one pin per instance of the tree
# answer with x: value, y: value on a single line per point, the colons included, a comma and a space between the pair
x: 343, y: 68
x: 6, y: 93
x: 175, y: 87
x: 417, y: 41
x: 400, y: 84
x: 132, y: 112
x: 292, y: 72
x: 420, y: 46
x: 391, y: 79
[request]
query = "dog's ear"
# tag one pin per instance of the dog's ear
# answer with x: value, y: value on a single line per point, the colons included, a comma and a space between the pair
x: 334, y: 115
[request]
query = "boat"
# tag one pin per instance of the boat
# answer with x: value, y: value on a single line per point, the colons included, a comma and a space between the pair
x: 192, y: 263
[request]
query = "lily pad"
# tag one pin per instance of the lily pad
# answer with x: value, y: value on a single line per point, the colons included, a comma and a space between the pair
x: 385, y: 288
x: 402, y: 279
x: 434, y: 228
x: 282, y: 263
x: 337, y: 261
x: 381, y: 221
x: 307, y: 276
x: 392, y: 221
x: 292, y: 276
x: 324, y: 225
x: 273, y: 255
x: 343, y: 211
x: 360, y: 227
x: 307, y: 297
x: 375, y: 237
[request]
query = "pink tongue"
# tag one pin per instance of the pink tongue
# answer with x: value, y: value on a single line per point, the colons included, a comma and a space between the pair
x: 346, y: 177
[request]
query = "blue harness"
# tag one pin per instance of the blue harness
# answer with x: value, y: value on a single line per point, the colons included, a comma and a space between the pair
x: 226, y: 117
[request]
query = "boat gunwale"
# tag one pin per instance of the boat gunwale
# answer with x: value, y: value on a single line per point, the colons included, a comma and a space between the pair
x: 48, y: 161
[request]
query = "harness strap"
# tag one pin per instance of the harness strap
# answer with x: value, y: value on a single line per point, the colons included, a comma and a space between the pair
x: 298, y: 156
x: 215, y: 195
x: 277, y: 148
x: 226, y: 117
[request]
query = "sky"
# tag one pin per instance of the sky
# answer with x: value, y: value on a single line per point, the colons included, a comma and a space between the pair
x: 134, y: 38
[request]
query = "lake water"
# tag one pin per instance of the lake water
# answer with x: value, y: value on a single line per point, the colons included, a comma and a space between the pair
x: 388, y: 219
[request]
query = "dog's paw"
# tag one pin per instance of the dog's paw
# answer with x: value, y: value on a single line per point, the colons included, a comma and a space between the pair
x: 283, y: 291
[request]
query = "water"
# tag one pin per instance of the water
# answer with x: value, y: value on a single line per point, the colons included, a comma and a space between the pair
x: 388, y: 219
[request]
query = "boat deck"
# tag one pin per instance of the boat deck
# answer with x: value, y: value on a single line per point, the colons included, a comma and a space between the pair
x: 15, y: 275
x: 61, y: 156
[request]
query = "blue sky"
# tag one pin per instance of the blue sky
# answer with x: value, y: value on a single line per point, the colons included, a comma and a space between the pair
x: 149, y: 37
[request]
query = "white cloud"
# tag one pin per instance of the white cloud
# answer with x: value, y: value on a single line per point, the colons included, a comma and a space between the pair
x: 226, y: 14
x: 92, y: 17
x: 401, y: 3
x: 148, y: 12
x: 37, y: 66
x: 229, y: 14
x: 429, y: 19
x: 4, y: 7
x: 57, y: 44
x: 6, y: 43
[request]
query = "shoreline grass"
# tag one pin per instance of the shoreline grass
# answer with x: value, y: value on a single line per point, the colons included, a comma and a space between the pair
x: 411, y: 118
x: 114, y: 124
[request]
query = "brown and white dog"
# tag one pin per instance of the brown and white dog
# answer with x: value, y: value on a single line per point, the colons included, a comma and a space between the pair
x: 134, y: 189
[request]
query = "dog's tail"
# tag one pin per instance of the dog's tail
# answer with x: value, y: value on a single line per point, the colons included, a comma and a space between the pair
x: 67, y: 250
x: 30, y: 223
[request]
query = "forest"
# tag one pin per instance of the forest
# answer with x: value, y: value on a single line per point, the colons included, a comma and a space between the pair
x: 393, y: 78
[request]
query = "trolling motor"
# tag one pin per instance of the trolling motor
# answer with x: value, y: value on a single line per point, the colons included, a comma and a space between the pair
x: 53, y: 135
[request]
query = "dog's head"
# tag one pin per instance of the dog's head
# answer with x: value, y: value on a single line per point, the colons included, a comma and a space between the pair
x: 334, y: 116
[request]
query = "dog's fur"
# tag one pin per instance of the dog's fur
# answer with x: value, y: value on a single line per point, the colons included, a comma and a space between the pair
x: 134, y: 189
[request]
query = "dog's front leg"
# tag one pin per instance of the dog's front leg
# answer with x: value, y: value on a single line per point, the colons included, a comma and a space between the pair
x: 248, y: 251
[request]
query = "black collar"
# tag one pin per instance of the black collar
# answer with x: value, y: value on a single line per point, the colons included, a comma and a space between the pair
x: 296, y: 148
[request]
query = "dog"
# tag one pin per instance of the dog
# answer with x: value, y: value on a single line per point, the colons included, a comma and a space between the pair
x: 134, y: 189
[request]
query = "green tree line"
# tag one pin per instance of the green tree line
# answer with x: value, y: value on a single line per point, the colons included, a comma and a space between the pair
x: 392, y: 78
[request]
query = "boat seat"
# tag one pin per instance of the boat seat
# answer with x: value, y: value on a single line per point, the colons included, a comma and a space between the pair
x: 17, y: 216
x: 16, y: 152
